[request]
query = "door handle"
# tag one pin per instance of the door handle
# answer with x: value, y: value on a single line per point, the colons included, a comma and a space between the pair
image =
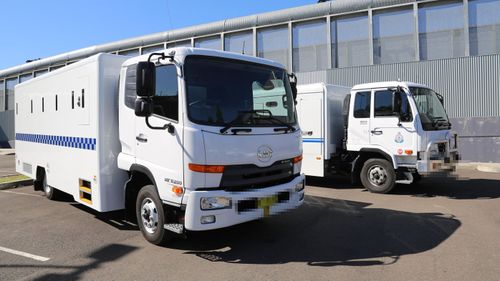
x: 376, y: 132
x: 307, y: 133
x: 141, y: 138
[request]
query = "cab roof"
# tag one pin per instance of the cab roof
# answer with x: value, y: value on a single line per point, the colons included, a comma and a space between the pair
x: 387, y: 84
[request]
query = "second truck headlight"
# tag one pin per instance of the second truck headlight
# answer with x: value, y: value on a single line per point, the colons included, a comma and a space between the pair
x: 214, y: 203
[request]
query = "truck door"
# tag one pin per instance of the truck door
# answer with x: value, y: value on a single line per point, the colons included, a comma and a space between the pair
x: 358, y: 135
x: 386, y: 131
x: 159, y: 150
x: 310, y: 114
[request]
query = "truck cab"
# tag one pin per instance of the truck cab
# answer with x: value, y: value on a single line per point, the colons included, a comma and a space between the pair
x: 210, y: 139
x: 398, y: 131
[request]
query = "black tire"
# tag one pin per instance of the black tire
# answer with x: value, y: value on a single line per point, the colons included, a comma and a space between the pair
x: 416, y: 178
x: 50, y: 192
x: 378, y: 175
x: 148, y: 204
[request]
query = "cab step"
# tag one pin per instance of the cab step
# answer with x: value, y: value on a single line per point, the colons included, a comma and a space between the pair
x: 174, y: 227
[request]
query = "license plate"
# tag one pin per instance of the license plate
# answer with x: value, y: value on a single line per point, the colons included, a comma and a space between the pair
x: 266, y: 202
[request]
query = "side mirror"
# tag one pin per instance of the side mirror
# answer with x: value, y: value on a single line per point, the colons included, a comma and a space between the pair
x: 146, y: 79
x: 143, y: 107
x: 293, y: 85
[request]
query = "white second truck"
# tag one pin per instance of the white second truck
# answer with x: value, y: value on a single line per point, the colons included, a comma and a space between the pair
x: 178, y: 138
x: 381, y: 133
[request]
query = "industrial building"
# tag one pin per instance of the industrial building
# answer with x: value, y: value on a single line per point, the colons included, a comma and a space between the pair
x: 451, y: 46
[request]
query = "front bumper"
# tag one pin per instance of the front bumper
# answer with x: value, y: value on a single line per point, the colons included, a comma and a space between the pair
x: 246, y: 206
x: 441, y: 165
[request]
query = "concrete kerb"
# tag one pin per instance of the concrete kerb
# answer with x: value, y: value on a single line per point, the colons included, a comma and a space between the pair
x: 482, y: 167
x: 14, y: 184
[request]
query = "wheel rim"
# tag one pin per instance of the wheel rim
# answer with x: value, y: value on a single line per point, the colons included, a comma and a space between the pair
x: 46, y: 188
x: 377, y: 175
x: 149, y: 215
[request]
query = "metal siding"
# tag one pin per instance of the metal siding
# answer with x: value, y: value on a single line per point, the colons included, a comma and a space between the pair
x: 470, y: 85
x: 7, y: 128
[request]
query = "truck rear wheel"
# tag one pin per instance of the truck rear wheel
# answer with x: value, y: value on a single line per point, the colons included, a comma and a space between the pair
x: 50, y: 192
x: 151, y: 216
x: 378, y: 176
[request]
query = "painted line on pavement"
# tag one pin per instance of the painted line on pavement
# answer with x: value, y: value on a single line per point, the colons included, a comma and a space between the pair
x: 23, y: 254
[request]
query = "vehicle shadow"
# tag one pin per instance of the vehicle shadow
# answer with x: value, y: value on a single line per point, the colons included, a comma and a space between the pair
x: 324, y: 232
x: 450, y: 186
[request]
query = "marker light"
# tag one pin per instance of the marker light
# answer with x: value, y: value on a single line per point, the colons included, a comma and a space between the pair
x: 297, y: 159
x: 177, y: 190
x: 206, y: 168
x: 409, y: 152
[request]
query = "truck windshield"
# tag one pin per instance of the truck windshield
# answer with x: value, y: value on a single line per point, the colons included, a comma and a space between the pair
x: 222, y: 92
x: 432, y: 113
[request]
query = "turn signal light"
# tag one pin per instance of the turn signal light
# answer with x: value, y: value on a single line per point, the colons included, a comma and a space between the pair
x: 177, y: 190
x: 206, y: 168
x: 409, y: 152
x: 297, y: 159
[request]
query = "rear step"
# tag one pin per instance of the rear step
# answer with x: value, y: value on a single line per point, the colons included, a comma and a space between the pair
x: 174, y: 227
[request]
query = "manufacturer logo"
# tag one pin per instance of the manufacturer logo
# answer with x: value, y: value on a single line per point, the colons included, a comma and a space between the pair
x: 264, y: 153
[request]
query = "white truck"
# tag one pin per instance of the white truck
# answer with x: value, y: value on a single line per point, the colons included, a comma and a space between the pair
x: 381, y: 133
x: 178, y: 138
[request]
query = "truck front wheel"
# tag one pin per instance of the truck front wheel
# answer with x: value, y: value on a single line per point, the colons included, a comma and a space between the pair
x: 151, y: 215
x: 378, y: 176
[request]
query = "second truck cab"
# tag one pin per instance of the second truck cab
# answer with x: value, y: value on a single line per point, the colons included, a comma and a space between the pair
x: 384, y: 132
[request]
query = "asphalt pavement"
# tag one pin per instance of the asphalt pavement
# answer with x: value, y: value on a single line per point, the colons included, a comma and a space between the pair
x: 440, y: 229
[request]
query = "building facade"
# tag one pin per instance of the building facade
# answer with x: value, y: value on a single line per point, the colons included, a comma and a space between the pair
x: 451, y: 46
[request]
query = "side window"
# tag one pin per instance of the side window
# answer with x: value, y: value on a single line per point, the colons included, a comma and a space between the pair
x: 130, y: 86
x: 166, y: 99
x: 362, y: 105
x: 383, y: 103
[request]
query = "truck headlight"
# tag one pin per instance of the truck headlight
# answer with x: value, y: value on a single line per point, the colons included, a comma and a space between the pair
x: 214, y: 203
x: 300, y: 186
x: 434, y: 151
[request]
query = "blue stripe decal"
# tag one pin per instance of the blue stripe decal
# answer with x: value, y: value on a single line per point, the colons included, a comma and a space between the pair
x: 66, y: 141
x: 312, y: 140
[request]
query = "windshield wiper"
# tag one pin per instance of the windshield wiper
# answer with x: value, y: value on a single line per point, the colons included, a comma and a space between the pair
x: 239, y: 118
x: 286, y: 127
x: 440, y: 121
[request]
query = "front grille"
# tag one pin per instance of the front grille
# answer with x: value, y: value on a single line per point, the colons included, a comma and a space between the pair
x: 243, y: 177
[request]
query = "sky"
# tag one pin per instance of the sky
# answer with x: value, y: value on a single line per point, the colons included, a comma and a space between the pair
x: 33, y: 29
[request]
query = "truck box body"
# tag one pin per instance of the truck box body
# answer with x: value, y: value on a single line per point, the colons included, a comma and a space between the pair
x: 319, y: 109
x: 67, y: 122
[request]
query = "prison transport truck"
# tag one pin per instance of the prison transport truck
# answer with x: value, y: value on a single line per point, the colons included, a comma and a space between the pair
x: 174, y: 137
x: 381, y: 133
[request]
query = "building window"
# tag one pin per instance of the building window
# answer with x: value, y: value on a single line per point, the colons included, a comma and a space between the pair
x: 362, y: 105
x: 309, y: 46
x: 152, y: 49
x: 241, y: 42
x: 333, y: 34
x: 25, y: 77
x: 185, y: 43
x: 272, y: 43
x: 41, y: 72
x: 208, y: 43
x: 353, y: 46
x: 9, y: 94
x: 484, y: 27
x: 129, y: 53
x: 166, y: 98
x: 2, y: 95
x: 441, y: 30
x: 393, y: 39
